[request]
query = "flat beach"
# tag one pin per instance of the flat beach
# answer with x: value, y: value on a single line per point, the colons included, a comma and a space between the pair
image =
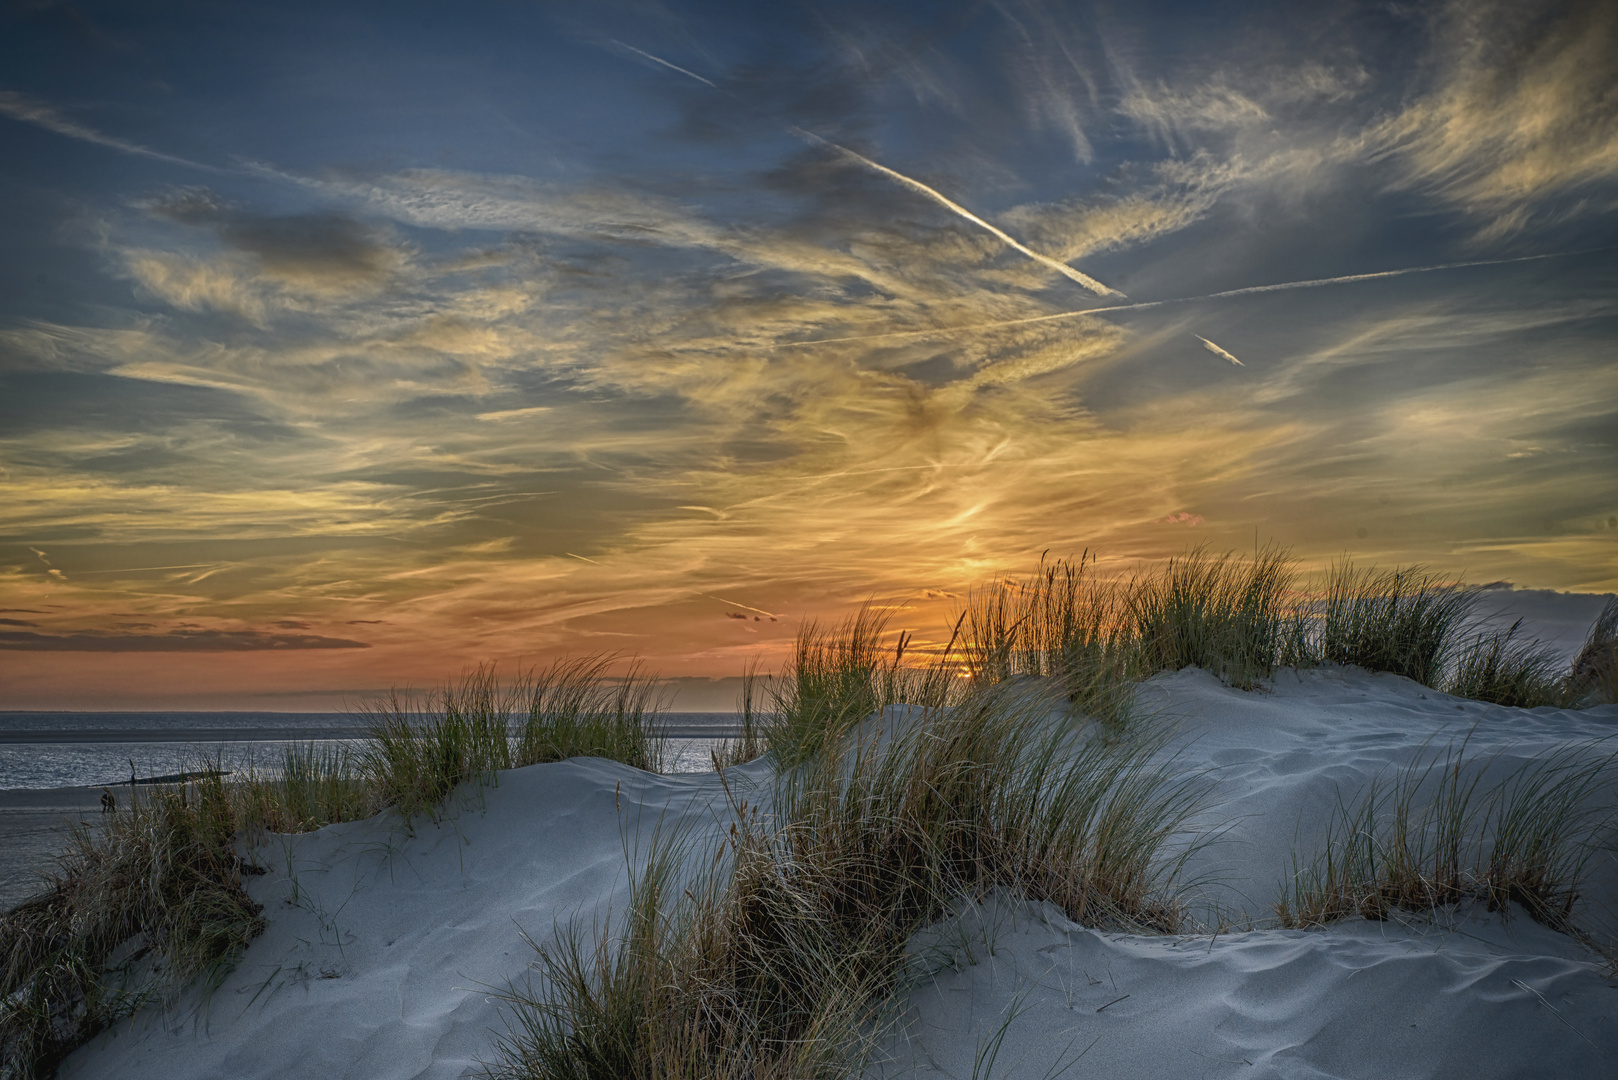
x: 33, y: 829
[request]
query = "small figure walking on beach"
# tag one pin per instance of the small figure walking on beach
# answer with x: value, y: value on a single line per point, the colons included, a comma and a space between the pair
x: 109, y: 801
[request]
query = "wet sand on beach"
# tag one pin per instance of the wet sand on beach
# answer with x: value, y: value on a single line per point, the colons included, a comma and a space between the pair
x: 33, y: 831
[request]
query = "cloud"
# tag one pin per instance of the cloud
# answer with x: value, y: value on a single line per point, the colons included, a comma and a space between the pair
x: 1174, y: 118
x: 172, y: 641
x: 478, y: 402
x: 320, y: 252
x: 198, y: 284
x: 1525, y: 109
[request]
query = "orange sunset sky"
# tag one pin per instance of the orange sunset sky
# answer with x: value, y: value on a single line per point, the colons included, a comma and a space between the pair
x: 341, y: 349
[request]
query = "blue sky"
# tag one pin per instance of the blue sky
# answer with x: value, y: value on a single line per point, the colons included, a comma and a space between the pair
x: 345, y: 344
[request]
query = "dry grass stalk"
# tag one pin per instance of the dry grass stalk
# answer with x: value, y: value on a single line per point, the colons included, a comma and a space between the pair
x: 133, y: 916
x: 1431, y: 838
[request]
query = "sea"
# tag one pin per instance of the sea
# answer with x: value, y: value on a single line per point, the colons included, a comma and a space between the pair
x: 96, y: 749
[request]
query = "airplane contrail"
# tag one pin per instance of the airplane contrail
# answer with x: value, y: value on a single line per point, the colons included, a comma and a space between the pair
x: 1312, y: 283
x: 919, y: 188
x: 1217, y: 351
x: 733, y: 603
x: 32, y: 111
x: 960, y: 211
x: 665, y: 63
x: 141, y: 569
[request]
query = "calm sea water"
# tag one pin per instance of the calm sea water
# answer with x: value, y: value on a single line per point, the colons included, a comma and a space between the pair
x: 62, y: 749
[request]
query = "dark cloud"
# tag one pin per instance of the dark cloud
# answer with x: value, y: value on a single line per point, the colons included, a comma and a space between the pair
x: 17, y: 622
x: 321, y: 250
x: 173, y: 641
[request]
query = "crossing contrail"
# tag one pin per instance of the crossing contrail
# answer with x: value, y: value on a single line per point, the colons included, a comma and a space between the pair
x: 919, y: 188
x: 960, y: 211
x: 1217, y: 351
x: 665, y: 63
x: 1312, y: 283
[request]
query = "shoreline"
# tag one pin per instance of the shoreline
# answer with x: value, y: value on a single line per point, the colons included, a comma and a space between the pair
x: 71, y: 736
x: 34, y: 823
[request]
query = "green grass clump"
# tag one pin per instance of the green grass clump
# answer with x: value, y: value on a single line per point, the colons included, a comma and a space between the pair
x: 1223, y: 614
x: 1431, y: 837
x: 1061, y: 624
x: 838, y: 677
x: 132, y: 916
x: 575, y: 708
x: 1404, y: 621
x: 786, y: 956
x: 749, y: 744
x: 315, y: 785
x: 1504, y: 670
x: 417, y: 753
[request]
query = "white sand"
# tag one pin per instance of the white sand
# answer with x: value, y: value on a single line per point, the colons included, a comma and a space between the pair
x: 381, y: 948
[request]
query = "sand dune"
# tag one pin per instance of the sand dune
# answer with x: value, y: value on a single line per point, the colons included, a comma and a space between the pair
x: 382, y: 947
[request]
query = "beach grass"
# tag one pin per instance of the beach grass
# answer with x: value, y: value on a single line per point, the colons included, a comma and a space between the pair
x: 316, y: 784
x: 786, y: 954
x: 838, y: 676
x: 418, y: 751
x: 1241, y: 617
x: 154, y: 900
x: 1221, y: 613
x: 1434, y: 835
x: 749, y: 744
x: 152, y: 904
x: 1062, y: 624
x: 1503, y: 669
x: 1594, y: 675
x: 1406, y: 621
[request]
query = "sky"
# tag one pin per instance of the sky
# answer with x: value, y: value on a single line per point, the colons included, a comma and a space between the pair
x: 345, y: 345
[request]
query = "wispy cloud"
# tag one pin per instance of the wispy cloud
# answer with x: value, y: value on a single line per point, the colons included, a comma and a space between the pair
x: 1522, y: 111
x: 33, y: 111
x: 185, y: 641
